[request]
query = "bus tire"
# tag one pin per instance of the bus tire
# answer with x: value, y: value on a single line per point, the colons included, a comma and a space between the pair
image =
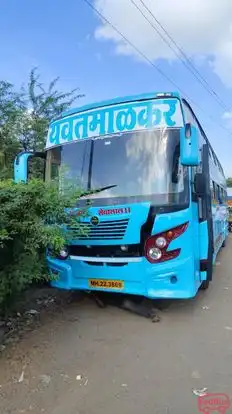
x: 204, y: 285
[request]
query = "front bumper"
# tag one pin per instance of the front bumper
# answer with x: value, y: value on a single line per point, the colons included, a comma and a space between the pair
x: 173, y: 279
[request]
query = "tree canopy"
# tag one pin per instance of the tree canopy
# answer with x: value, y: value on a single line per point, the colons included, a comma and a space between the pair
x: 25, y: 116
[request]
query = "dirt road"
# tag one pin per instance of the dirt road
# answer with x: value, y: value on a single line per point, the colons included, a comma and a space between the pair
x: 85, y: 360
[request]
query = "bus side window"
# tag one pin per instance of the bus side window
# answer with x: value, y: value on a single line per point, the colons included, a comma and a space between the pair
x: 214, y: 192
x: 219, y: 197
x: 193, y: 173
x: 176, y: 165
x: 211, y: 190
x: 225, y: 197
x: 53, y: 164
x: 222, y: 196
x: 215, y: 159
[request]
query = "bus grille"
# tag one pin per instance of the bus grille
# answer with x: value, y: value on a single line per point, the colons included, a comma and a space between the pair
x: 106, y: 230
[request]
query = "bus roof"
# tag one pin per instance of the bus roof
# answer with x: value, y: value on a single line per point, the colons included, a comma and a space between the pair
x: 118, y: 100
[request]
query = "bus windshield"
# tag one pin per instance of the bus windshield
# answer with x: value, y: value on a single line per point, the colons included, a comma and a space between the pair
x: 129, y: 167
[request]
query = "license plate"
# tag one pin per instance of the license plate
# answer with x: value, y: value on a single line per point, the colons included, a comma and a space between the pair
x: 106, y: 284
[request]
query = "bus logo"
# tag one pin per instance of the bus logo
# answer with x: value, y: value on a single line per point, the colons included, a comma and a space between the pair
x: 94, y: 220
x: 214, y: 403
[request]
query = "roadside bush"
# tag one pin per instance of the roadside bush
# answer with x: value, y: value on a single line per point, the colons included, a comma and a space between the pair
x: 30, y: 219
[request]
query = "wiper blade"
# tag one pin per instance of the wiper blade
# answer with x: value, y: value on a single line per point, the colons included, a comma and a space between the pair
x: 98, y: 190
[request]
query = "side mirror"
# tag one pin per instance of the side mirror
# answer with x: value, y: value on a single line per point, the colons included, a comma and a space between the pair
x: 21, y: 167
x: 189, y: 146
x: 200, y: 184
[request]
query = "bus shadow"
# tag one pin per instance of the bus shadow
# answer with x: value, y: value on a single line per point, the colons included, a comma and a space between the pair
x: 151, y: 309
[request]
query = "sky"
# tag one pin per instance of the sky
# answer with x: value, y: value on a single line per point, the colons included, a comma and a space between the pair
x: 67, y: 39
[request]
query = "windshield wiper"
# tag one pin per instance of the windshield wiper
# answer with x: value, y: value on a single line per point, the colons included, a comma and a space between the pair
x: 98, y: 190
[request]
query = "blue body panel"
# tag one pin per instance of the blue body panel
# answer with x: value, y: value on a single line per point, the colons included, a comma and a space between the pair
x: 143, y: 278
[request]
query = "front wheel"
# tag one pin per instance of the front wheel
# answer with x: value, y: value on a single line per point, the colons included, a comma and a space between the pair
x: 204, y: 285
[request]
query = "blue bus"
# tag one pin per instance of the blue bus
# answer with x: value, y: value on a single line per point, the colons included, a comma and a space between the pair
x: 156, y: 194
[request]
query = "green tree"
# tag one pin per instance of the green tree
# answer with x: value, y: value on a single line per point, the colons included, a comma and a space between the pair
x: 11, y: 109
x: 41, y: 106
x: 229, y: 182
x: 31, y: 216
x: 25, y: 116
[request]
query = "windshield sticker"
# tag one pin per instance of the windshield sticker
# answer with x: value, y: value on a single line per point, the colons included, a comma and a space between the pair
x: 115, y: 119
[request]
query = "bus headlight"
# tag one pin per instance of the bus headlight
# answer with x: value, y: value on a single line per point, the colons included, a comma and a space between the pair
x: 161, y: 242
x: 124, y: 248
x: 154, y: 253
x: 63, y: 254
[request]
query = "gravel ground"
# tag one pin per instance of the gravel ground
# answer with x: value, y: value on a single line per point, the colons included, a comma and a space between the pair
x: 76, y: 358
